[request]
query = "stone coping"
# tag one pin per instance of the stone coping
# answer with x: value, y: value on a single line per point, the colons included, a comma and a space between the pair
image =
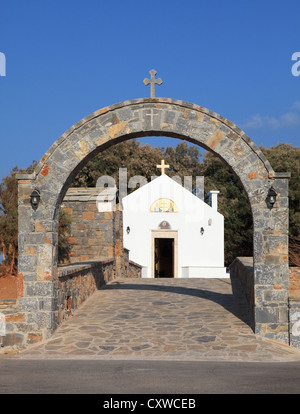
x: 90, y: 193
x: 73, y: 268
x: 135, y: 264
x: 246, y: 261
x: 68, y: 269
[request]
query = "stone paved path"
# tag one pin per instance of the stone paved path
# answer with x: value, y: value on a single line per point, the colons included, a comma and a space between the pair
x: 161, y: 319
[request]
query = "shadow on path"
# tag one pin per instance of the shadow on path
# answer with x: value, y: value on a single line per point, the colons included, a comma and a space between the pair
x: 235, y: 302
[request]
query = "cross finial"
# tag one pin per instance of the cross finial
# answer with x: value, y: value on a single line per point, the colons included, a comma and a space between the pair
x: 153, y: 82
x: 163, y: 167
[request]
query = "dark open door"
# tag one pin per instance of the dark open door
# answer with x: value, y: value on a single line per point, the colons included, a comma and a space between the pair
x: 164, y: 257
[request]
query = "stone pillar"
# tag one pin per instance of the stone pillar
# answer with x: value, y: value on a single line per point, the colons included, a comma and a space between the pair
x: 36, y: 266
x: 271, y: 267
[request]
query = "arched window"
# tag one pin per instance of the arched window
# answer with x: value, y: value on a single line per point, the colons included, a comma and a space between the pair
x: 163, y: 205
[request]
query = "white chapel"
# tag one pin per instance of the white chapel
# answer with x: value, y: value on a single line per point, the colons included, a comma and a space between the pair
x: 172, y: 233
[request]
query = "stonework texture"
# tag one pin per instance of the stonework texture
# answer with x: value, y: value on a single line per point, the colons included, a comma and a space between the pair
x: 77, y: 282
x: 294, y: 307
x: 93, y: 233
x: 145, y: 117
x: 242, y: 270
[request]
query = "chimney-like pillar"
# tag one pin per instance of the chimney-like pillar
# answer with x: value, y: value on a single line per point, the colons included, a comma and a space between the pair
x: 200, y: 187
x: 213, y: 199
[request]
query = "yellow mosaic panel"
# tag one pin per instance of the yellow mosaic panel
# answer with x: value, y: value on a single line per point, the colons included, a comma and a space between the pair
x: 163, y: 205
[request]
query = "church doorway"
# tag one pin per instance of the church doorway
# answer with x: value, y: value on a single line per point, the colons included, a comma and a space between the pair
x: 164, y: 254
x: 164, y: 258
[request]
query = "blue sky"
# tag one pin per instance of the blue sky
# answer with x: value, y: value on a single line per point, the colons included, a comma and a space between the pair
x: 66, y: 59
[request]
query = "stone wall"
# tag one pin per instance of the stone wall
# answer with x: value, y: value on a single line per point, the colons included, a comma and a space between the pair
x: 92, y: 233
x: 74, y: 284
x: 95, y: 235
x: 9, y: 308
x: 295, y: 283
x: 242, y: 270
x: 294, y: 307
x: 77, y: 282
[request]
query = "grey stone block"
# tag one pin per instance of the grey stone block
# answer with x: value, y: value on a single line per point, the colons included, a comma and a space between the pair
x: 28, y: 304
x: 266, y: 315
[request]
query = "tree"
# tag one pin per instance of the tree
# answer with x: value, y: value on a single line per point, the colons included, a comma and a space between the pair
x: 8, y: 222
x: 140, y: 160
x: 233, y: 204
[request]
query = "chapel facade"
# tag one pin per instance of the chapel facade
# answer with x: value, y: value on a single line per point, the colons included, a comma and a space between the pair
x: 172, y: 233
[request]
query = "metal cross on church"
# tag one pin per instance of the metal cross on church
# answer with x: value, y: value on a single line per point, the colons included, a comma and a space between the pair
x: 163, y: 167
x: 153, y: 82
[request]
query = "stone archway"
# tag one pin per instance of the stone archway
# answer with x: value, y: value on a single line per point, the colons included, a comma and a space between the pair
x: 38, y: 229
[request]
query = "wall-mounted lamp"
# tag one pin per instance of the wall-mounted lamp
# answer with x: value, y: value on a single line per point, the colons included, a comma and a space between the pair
x: 271, y: 198
x: 202, y: 231
x: 128, y: 230
x: 35, y: 199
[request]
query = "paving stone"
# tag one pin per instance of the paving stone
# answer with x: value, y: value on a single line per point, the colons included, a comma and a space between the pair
x: 124, y: 321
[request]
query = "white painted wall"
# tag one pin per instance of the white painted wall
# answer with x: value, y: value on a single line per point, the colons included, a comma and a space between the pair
x: 198, y: 255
